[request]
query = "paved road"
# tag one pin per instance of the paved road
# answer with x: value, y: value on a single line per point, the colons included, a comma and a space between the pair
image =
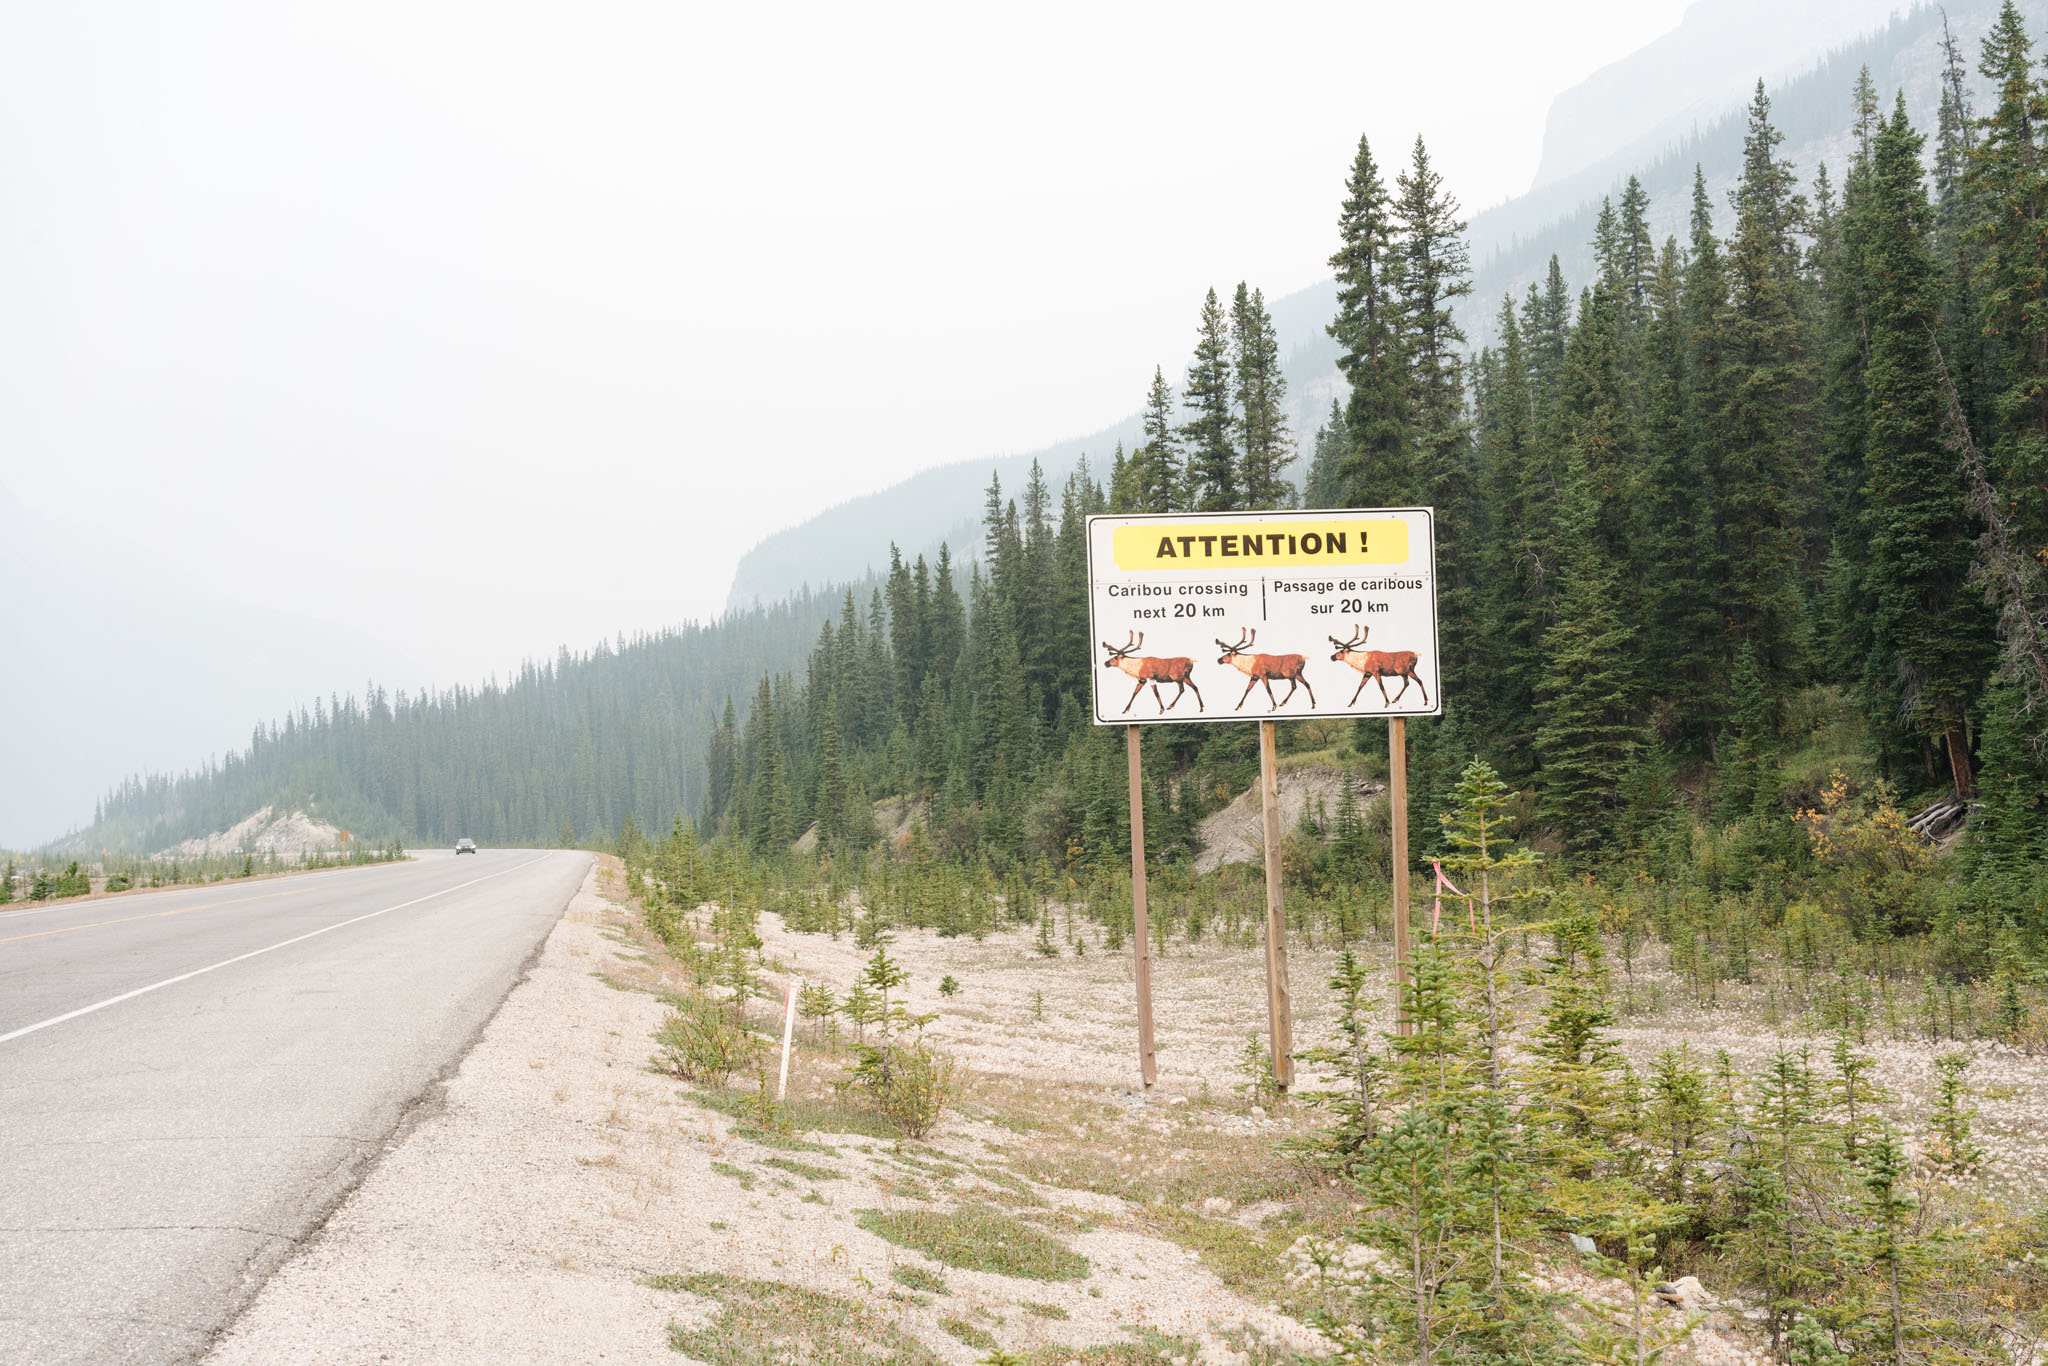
x: 190, y: 1079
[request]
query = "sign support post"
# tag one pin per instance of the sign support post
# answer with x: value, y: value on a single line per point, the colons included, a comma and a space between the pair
x: 1397, y: 815
x: 1141, y: 929
x: 1279, y: 1002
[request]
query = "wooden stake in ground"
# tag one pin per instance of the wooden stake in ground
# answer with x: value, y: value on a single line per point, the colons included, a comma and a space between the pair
x: 1397, y: 816
x: 1141, y: 936
x: 788, y: 1027
x: 1279, y: 1003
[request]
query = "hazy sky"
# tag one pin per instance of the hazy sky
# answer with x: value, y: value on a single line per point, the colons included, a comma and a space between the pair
x: 477, y: 329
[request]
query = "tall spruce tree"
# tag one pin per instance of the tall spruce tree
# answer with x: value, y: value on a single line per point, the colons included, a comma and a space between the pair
x: 1266, y: 445
x: 1212, y: 474
x: 1379, y: 469
x: 1161, y: 479
x: 1764, y: 447
x: 1929, y: 638
x: 2008, y: 175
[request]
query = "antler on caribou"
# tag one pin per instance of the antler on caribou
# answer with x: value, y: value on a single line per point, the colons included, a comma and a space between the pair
x: 1132, y: 640
x: 1358, y: 634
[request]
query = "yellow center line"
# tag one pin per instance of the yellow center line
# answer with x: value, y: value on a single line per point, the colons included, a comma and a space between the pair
x: 156, y: 915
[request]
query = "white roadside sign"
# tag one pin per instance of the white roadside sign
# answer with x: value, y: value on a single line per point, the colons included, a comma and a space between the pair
x: 1234, y: 616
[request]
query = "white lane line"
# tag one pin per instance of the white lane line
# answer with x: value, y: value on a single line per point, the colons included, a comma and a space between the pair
x: 268, y: 948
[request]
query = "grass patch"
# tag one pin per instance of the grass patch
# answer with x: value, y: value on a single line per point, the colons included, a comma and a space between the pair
x: 979, y: 1238
x: 739, y: 1174
x: 1247, y: 1261
x: 1153, y: 1349
x: 905, y: 1188
x: 803, y: 1169
x: 803, y: 1116
x: 979, y: 1339
x: 760, y: 1321
x: 789, y: 1143
x: 1040, y: 1310
x: 1064, y: 1220
x: 917, y: 1278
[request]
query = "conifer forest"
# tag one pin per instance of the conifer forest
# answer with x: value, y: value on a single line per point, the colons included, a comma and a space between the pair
x: 1743, y: 589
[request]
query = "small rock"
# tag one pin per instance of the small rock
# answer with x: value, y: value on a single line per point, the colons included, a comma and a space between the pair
x: 1176, y: 1100
x: 1216, y: 1206
x: 1583, y: 1243
x: 1686, y: 1293
x: 1258, y: 1112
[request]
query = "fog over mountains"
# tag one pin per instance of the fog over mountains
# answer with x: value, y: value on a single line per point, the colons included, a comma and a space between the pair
x: 1677, y: 102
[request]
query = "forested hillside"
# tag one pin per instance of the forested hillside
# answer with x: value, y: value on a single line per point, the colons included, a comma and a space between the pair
x: 565, y: 750
x: 1774, y: 489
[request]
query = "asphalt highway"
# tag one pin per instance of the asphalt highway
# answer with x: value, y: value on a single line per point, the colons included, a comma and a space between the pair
x: 190, y: 1079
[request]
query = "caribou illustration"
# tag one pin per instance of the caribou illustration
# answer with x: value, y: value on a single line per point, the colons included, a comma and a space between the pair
x: 1153, y: 670
x: 1264, y: 669
x: 1378, y: 665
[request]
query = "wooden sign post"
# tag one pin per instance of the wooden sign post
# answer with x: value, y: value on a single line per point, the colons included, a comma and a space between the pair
x: 1279, y: 1003
x: 1236, y: 606
x: 1141, y: 929
x: 1397, y: 814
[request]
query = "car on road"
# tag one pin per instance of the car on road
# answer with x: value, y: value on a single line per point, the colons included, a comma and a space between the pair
x: 465, y: 845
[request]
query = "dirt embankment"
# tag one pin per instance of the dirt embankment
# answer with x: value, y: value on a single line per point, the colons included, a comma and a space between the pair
x: 1237, y: 833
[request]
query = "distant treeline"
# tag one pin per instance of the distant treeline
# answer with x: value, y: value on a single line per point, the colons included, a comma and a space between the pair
x: 578, y: 744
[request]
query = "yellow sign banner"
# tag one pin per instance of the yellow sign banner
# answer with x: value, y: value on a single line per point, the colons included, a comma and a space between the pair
x: 1240, y: 545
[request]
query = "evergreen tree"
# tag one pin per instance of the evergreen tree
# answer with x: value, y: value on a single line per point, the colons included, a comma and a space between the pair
x: 1333, y: 443
x: 1261, y: 390
x: 1928, y: 639
x: 1762, y: 482
x: 2008, y: 177
x: 1380, y: 468
x: 1161, y: 480
x: 1212, y: 473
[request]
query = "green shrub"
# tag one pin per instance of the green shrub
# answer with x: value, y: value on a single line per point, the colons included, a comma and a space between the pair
x: 700, y: 1042
x: 908, y: 1084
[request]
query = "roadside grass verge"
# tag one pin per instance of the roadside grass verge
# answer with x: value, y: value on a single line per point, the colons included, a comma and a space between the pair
x: 762, y: 1321
x: 979, y: 1238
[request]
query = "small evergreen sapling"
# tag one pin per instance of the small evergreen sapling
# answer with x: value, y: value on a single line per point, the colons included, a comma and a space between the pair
x: 818, y: 1005
x: 1950, y: 1149
x: 1341, y: 1146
